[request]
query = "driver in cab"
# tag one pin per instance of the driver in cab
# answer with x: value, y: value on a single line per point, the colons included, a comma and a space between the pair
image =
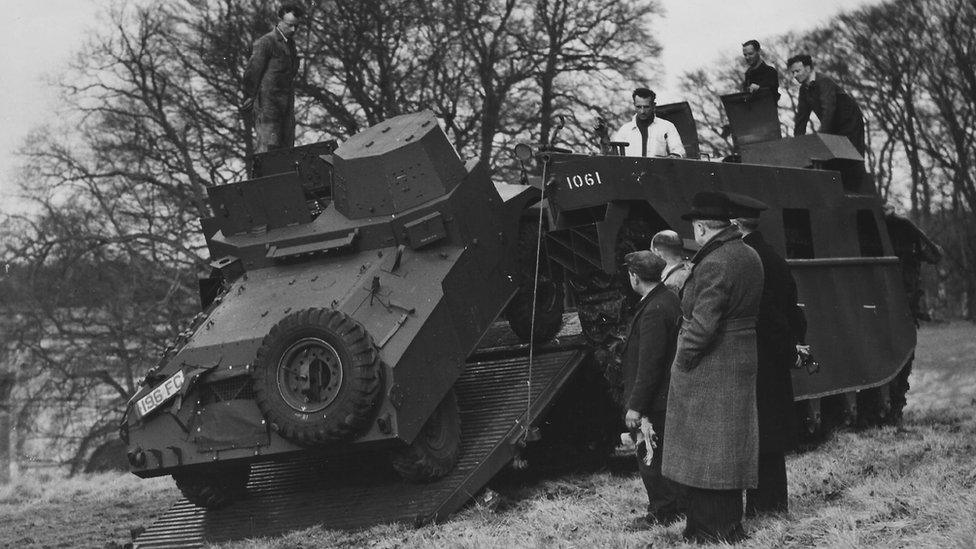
x: 646, y: 134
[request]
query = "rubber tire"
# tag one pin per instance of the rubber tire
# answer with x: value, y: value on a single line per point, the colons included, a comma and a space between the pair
x: 548, y: 311
x: 215, y: 486
x: 434, y: 453
x: 352, y: 409
x: 550, y: 293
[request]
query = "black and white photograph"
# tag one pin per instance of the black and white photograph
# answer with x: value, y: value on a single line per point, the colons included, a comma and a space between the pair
x: 491, y: 274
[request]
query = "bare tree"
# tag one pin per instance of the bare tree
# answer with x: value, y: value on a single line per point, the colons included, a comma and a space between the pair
x: 104, y: 267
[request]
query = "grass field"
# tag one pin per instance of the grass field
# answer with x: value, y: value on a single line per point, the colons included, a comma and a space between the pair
x: 911, y: 486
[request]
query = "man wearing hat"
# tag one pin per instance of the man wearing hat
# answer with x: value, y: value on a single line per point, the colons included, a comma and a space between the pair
x: 711, y: 426
x: 646, y: 365
x: 781, y: 325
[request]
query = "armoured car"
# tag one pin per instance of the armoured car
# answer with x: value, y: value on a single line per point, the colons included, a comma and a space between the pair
x: 349, y: 284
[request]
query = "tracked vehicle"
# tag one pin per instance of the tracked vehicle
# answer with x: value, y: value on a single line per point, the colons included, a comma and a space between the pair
x: 856, y: 267
x: 349, y: 286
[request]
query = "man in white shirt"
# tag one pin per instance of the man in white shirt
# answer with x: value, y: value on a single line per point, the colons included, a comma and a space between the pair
x: 646, y: 134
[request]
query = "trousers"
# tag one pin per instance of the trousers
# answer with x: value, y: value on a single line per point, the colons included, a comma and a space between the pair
x: 770, y: 494
x: 664, y: 499
x: 713, y: 515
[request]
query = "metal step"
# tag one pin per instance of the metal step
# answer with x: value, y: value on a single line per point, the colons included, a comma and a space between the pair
x: 355, y: 491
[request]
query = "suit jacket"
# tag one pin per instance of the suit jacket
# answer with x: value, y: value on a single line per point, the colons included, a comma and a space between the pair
x: 837, y: 111
x: 781, y: 325
x: 711, y: 424
x: 765, y: 76
x: 270, y: 77
x: 649, y: 351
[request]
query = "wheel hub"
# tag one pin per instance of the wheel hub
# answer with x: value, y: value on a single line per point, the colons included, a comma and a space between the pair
x: 309, y: 375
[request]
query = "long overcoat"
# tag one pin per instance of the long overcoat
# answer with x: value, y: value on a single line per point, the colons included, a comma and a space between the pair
x: 780, y: 327
x: 711, y: 425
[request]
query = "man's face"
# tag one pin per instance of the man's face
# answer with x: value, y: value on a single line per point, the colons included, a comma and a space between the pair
x: 633, y: 280
x: 800, y: 72
x: 751, y: 55
x: 699, y: 229
x: 644, y: 107
x: 289, y: 24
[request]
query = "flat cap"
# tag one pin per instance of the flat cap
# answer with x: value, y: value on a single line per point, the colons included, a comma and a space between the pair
x: 708, y: 205
x: 741, y: 205
x: 645, y: 264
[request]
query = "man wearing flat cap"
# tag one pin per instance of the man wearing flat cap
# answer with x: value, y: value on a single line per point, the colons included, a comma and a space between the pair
x: 647, y: 360
x: 780, y: 326
x: 711, y: 426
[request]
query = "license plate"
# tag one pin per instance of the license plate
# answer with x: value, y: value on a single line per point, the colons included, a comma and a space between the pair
x: 160, y: 394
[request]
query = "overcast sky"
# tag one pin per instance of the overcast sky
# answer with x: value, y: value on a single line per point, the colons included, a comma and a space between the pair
x: 40, y: 36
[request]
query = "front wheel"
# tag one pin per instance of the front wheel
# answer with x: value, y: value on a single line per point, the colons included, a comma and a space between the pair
x: 548, y: 291
x: 434, y: 453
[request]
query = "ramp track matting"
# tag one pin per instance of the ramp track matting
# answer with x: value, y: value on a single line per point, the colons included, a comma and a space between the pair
x: 361, y: 490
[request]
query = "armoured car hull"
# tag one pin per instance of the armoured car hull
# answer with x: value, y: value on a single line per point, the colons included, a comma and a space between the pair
x: 346, y: 329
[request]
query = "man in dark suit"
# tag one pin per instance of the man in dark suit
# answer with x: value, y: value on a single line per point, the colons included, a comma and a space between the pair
x: 711, y: 428
x: 781, y: 325
x: 269, y: 82
x: 837, y: 111
x: 760, y: 78
x: 646, y: 375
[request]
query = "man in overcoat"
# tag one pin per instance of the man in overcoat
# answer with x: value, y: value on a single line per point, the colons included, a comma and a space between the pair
x: 781, y: 325
x: 838, y: 112
x: 646, y: 365
x: 269, y: 82
x: 711, y: 425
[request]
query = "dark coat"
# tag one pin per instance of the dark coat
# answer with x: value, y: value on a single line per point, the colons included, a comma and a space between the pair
x: 837, y: 111
x: 765, y: 76
x: 269, y: 78
x: 711, y: 426
x: 780, y: 327
x: 649, y: 351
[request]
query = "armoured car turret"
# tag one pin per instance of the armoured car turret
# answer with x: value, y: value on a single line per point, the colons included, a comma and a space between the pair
x: 333, y: 321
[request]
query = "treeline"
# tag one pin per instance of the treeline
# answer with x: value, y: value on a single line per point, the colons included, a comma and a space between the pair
x: 911, y: 65
x: 102, y: 273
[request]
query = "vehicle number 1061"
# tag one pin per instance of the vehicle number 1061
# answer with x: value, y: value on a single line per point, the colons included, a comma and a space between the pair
x: 583, y: 180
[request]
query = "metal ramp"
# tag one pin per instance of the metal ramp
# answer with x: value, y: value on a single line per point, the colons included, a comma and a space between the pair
x: 355, y: 491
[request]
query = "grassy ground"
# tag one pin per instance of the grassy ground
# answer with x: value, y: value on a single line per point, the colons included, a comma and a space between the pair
x: 911, y: 486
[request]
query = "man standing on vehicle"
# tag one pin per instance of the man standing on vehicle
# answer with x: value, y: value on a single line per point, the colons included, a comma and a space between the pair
x: 269, y: 82
x: 837, y: 111
x: 647, y: 356
x: 759, y: 78
x: 780, y: 327
x: 711, y: 426
x: 646, y: 134
x: 668, y: 246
